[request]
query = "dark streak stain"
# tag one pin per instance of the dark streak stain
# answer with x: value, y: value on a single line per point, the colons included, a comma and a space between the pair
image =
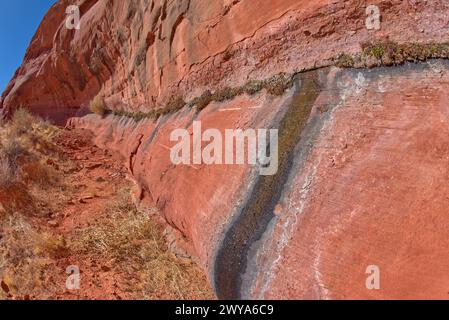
x: 231, y: 259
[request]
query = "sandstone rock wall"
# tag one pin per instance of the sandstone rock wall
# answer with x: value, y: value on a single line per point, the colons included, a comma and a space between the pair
x: 363, y: 153
x: 363, y: 186
x: 140, y: 53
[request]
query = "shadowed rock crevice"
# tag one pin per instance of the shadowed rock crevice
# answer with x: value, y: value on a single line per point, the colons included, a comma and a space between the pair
x: 134, y: 152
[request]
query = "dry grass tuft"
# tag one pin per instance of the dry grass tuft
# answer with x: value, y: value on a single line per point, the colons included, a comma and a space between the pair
x: 27, y: 258
x: 278, y: 84
x: 27, y: 254
x: 253, y: 86
x: 202, y: 101
x: 41, y: 174
x: 21, y: 121
x: 7, y: 172
x: 98, y: 106
x: 137, y: 246
x: 10, y: 152
x: 389, y: 53
x: 345, y: 60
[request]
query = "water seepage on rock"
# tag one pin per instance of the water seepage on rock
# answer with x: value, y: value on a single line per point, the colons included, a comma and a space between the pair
x: 363, y: 154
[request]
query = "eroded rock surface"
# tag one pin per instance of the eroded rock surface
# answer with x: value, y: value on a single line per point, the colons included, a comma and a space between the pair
x: 363, y: 153
x: 140, y: 53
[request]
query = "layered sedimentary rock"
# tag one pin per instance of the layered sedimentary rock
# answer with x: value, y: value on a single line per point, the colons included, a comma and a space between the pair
x: 140, y: 53
x: 360, y: 183
x: 363, y: 153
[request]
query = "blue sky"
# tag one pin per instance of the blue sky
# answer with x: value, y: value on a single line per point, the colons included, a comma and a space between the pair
x: 19, y: 20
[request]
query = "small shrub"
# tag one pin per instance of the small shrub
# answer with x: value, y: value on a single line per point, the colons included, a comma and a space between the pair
x: 9, y: 167
x: 12, y: 149
x: 252, y: 87
x: 174, y: 104
x: 34, y: 171
x: 132, y: 9
x: 141, y: 56
x: 21, y: 121
x: 119, y: 113
x: 139, y: 116
x: 277, y: 84
x: 202, y: 101
x: 345, y: 60
x: 7, y: 173
x: 226, y: 93
x: 98, y: 106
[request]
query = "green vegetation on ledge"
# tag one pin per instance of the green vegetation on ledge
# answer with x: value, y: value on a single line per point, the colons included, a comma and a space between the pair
x: 388, y: 53
x: 384, y: 53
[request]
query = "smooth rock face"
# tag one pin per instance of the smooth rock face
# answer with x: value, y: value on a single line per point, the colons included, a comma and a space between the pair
x: 363, y: 153
x: 371, y: 192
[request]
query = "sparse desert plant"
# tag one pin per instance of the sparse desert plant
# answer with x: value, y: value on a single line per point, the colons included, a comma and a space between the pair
x: 226, y: 93
x: 10, y: 152
x: 21, y: 121
x: 277, y: 84
x: 174, y: 104
x: 98, y: 106
x: 376, y: 50
x: 202, y: 101
x: 26, y: 253
x: 345, y: 60
x: 121, y: 35
x: 137, y: 245
x: 387, y: 53
x: 42, y: 136
x: 132, y: 9
x: 25, y: 147
x: 34, y: 171
x: 140, y: 56
x: 26, y: 258
x: 253, y: 86
x: 12, y: 149
x: 8, y: 173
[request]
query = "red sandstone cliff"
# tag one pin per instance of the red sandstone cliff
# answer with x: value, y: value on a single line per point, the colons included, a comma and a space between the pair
x: 139, y: 53
x: 362, y: 173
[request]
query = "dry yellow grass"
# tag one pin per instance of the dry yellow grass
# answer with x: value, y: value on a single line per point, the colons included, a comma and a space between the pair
x: 27, y: 258
x: 137, y: 246
x: 32, y: 253
x: 26, y: 253
x: 98, y: 106
x: 21, y: 121
x: 25, y: 147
